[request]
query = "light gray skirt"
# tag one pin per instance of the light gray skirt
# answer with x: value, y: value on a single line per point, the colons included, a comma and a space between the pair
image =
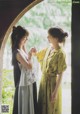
x: 25, y: 100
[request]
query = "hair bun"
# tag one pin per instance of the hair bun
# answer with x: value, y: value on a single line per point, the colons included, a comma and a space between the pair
x: 65, y: 34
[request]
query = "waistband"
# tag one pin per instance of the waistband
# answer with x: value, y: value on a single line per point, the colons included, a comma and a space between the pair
x: 48, y: 76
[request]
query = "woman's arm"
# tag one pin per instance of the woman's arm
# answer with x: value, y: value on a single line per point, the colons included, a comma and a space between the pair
x: 54, y: 94
x: 26, y: 63
x: 32, y: 51
x: 61, y: 68
x: 40, y: 55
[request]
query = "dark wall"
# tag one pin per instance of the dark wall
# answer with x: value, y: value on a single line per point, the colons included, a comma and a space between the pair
x: 76, y: 58
x: 9, y: 9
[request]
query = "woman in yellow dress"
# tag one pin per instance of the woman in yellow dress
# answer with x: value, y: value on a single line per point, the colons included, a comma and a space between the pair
x: 53, y: 64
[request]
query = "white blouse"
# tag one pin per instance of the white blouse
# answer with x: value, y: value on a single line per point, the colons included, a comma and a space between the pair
x: 27, y: 76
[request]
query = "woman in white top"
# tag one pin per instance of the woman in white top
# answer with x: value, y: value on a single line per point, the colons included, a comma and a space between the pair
x: 25, y: 98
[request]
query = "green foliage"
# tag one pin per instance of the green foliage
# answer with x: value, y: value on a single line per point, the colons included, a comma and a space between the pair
x: 8, y: 89
x: 48, y: 14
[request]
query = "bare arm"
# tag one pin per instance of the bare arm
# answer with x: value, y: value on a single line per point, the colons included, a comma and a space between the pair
x: 54, y: 94
x: 58, y: 82
x: 26, y: 64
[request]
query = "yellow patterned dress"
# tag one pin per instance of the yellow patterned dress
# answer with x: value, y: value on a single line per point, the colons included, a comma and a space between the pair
x: 51, y: 65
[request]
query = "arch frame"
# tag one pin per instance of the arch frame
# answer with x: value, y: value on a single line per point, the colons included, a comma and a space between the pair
x: 5, y: 38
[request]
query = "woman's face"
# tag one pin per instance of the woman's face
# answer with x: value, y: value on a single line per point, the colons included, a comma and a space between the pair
x: 52, y: 39
x: 23, y: 40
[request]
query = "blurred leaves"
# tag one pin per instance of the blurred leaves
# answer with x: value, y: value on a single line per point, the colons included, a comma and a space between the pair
x: 8, y: 88
x: 45, y: 15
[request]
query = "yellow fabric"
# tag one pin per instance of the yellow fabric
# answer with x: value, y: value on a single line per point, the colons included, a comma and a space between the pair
x: 52, y: 64
x: 40, y: 55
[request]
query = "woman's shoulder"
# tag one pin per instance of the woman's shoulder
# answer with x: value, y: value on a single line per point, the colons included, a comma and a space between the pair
x: 61, y: 52
x: 15, y: 53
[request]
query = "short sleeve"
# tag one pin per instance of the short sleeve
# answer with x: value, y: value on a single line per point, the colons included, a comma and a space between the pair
x: 40, y: 55
x: 62, y: 63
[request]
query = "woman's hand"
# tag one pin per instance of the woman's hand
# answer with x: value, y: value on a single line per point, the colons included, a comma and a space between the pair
x: 54, y: 94
x: 53, y: 97
x: 33, y: 50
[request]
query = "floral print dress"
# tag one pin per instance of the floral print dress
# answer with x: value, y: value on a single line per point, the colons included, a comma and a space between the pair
x: 51, y: 65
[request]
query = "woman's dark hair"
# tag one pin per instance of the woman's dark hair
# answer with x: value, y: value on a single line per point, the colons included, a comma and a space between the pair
x: 58, y: 33
x: 17, y: 34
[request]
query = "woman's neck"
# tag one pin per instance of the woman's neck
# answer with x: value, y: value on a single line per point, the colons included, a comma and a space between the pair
x: 56, y: 46
x: 21, y: 48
